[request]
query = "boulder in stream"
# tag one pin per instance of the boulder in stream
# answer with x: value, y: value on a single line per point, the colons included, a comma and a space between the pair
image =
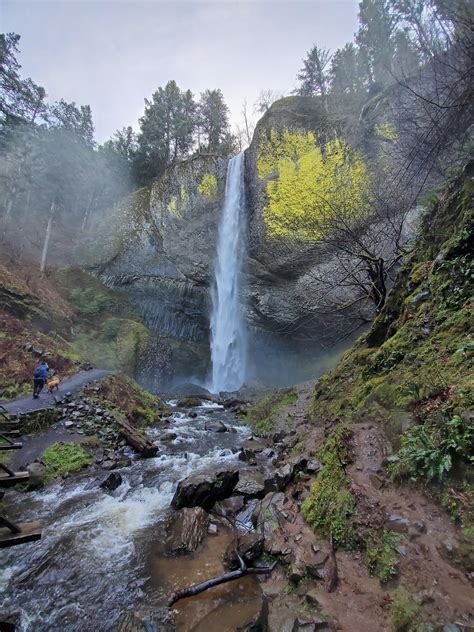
x: 205, y: 488
x: 113, y: 480
x: 37, y: 472
x: 187, y: 529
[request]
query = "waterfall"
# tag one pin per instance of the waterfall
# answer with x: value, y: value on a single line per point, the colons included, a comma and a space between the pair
x: 228, y: 339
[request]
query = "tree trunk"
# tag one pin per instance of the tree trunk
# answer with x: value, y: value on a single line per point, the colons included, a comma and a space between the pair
x: 47, y: 237
x: 136, y: 439
x: 88, y: 210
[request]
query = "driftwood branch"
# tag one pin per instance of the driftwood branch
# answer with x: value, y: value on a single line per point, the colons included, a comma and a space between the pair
x: 228, y: 577
x: 332, y: 577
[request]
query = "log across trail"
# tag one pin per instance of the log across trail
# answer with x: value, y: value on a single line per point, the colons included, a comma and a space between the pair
x: 70, y: 385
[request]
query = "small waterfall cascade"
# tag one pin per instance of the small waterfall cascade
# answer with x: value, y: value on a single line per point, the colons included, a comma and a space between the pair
x: 228, y: 335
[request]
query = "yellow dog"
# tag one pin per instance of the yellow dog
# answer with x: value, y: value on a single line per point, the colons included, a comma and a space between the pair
x: 53, y: 383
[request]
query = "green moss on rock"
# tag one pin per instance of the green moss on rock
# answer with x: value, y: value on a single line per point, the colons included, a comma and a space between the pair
x: 60, y: 458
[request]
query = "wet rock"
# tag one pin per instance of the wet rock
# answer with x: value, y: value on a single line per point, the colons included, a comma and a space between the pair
x: 268, y: 513
x: 249, y: 547
x: 313, y: 466
x: 419, y: 298
x: 187, y: 529
x: 139, y: 622
x: 254, y: 445
x: 108, y: 464
x: 205, y: 488
x: 215, y: 426
x: 189, y: 402
x: 397, y: 523
x: 37, y: 472
x: 310, y: 624
x: 312, y: 598
x: 168, y: 436
x: 391, y: 458
x: 268, y: 453
x: 377, y: 481
x: 279, y: 479
x: 112, y: 481
x: 192, y: 390
x: 192, y: 414
x: 231, y: 506
x: 251, y: 484
x: 296, y: 573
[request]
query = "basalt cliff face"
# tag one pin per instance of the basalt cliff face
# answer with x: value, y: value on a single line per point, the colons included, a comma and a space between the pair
x: 159, y: 247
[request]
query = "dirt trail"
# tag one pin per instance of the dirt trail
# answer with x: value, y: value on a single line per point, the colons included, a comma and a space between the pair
x: 446, y: 592
x: 45, y: 400
x: 360, y: 603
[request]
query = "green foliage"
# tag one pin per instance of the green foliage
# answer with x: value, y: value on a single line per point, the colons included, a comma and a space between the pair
x: 431, y: 449
x: 404, y: 611
x: 330, y: 508
x: 89, y: 305
x: 64, y: 457
x: 262, y: 415
x: 380, y: 555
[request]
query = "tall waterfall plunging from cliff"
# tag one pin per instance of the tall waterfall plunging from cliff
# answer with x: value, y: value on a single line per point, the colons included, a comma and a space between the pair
x: 228, y: 336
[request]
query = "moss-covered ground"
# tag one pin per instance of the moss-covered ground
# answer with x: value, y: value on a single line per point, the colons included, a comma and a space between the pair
x: 60, y: 458
x: 263, y: 413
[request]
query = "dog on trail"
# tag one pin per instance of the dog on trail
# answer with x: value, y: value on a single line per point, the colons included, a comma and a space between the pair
x: 52, y: 384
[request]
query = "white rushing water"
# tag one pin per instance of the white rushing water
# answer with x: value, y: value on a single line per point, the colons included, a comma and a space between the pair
x: 92, y: 562
x: 228, y: 339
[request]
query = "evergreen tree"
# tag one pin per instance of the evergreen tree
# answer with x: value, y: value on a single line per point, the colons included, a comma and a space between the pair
x: 314, y: 74
x: 376, y: 37
x: 166, y: 129
x: 348, y: 76
x: 214, y: 122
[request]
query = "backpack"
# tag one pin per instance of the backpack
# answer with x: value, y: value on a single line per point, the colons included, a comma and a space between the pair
x: 37, y: 372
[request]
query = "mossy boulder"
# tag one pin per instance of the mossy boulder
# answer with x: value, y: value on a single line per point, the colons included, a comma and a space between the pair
x: 121, y: 394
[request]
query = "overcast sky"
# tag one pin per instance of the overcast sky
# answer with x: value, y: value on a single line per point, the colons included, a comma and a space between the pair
x: 112, y: 54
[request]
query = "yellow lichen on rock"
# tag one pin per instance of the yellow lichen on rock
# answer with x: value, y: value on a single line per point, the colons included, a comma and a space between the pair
x: 208, y: 186
x: 386, y: 131
x: 313, y: 186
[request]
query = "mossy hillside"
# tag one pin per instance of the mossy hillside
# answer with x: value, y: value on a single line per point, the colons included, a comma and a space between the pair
x: 262, y: 414
x: 60, y: 458
x: 108, y: 329
x: 420, y: 347
x: 121, y: 395
x: 17, y: 364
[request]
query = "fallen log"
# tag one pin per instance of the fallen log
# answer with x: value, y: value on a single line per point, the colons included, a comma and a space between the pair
x: 136, y: 439
x: 216, y: 581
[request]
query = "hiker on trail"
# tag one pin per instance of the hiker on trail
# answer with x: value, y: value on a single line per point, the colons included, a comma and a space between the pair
x: 40, y: 376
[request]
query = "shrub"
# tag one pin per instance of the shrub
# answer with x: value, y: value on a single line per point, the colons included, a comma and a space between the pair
x: 404, y: 611
x: 380, y: 555
x: 430, y: 449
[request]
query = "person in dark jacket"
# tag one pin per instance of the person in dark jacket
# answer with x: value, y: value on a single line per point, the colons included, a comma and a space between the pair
x: 40, y: 376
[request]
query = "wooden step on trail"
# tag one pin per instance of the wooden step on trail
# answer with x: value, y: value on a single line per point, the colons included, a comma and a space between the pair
x: 8, y: 477
x: 7, y: 444
x: 12, y: 533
